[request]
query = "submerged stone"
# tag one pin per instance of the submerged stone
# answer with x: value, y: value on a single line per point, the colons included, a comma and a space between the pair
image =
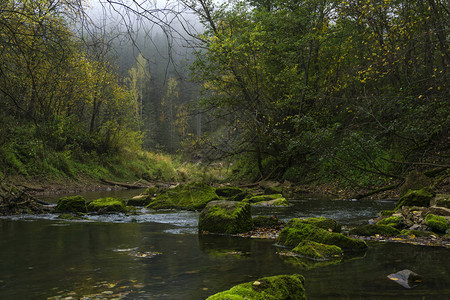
x: 293, y: 236
x: 268, y: 200
x: 317, y: 251
x: 406, y: 278
x: 321, y: 222
x: 193, y: 196
x: 373, y: 229
x: 226, y: 217
x: 281, y: 287
x: 72, y: 204
x: 107, y: 205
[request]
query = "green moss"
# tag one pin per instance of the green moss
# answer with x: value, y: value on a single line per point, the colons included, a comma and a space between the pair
x: 228, y: 191
x: 141, y: 200
x: 317, y: 251
x: 293, y: 236
x: 386, y: 213
x: 193, y: 196
x: 372, y: 229
x: 106, y: 205
x: 226, y: 217
x: 261, y: 198
x: 437, y: 223
x: 265, y: 221
x: 420, y: 197
x: 304, y: 263
x: 281, y: 287
x: 72, y: 204
x: 320, y: 222
x: 396, y: 222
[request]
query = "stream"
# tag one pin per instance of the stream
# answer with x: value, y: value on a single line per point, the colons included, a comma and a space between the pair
x: 159, y: 255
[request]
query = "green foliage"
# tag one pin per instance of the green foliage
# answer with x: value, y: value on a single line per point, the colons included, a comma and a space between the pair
x: 320, y: 90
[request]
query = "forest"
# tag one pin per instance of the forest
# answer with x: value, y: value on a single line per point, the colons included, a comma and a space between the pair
x: 311, y: 91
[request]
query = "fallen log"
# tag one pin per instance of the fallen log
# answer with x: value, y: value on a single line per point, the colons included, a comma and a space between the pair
x: 124, y: 184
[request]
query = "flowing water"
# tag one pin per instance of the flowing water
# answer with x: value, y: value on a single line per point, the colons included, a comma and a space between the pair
x: 159, y: 255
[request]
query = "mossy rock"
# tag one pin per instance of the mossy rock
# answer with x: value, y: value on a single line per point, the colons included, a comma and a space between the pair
x: 241, y: 196
x: 107, y: 205
x: 386, y: 213
x: 228, y: 191
x: 267, y: 222
x: 192, y: 196
x: 263, y: 198
x: 373, y: 229
x: 317, y: 251
x: 281, y: 287
x: 140, y: 200
x: 437, y: 223
x: 305, y: 263
x: 393, y: 221
x: 419, y: 233
x: 420, y: 198
x: 320, y: 222
x: 228, y: 217
x: 293, y: 236
x: 72, y: 204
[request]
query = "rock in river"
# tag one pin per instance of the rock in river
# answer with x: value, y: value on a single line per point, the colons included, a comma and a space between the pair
x: 226, y: 217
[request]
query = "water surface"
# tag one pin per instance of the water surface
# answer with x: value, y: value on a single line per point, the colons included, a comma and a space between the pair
x: 159, y: 255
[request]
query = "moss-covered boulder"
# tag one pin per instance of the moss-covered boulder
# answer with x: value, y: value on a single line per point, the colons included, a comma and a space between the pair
x: 72, y: 204
x: 437, y: 223
x: 420, y: 197
x: 281, y: 287
x: 393, y: 221
x: 107, y: 205
x: 268, y: 200
x: 321, y: 222
x: 228, y: 217
x: 373, y: 229
x: 271, y: 190
x: 293, y: 236
x: 317, y: 251
x: 139, y: 200
x: 228, y: 191
x: 267, y: 222
x: 193, y: 196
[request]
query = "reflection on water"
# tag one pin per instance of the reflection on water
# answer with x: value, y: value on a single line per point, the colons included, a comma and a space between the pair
x: 158, y: 255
